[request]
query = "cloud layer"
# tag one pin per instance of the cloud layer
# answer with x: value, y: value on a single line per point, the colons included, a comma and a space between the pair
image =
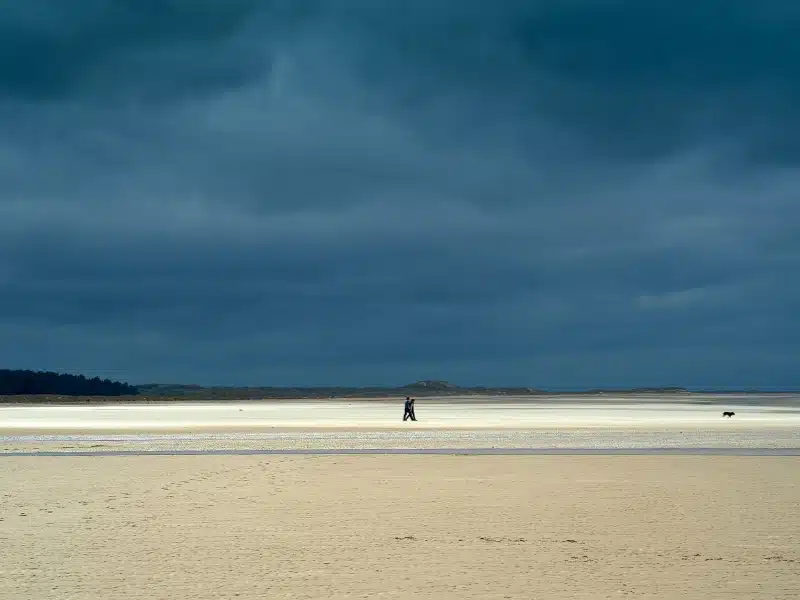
x: 558, y: 194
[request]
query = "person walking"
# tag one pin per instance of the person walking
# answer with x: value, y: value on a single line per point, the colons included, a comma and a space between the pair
x: 408, y: 410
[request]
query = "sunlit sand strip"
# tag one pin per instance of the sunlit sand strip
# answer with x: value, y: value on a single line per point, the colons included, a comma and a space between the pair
x: 386, y: 415
x: 377, y: 425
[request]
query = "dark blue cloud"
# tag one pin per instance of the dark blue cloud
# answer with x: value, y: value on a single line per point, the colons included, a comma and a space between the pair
x: 553, y: 193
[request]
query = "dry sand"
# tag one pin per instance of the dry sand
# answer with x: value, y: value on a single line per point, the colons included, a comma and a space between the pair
x: 460, y: 527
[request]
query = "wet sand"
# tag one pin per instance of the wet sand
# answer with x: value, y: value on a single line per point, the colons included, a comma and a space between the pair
x: 589, y: 439
x: 438, y: 527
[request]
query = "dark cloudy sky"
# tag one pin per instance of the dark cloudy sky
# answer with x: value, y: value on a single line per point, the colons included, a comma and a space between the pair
x: 557, y: 193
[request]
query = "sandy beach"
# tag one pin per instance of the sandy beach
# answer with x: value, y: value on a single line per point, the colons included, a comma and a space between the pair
x: 457, y: 527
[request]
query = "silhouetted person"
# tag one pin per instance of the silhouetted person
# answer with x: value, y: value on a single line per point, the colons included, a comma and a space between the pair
x: 408, y: 410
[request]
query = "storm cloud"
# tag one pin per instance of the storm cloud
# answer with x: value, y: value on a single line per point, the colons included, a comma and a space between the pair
x: 554, y: 193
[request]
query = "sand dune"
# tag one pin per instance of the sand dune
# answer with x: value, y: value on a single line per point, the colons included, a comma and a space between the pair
x: 208, y: 527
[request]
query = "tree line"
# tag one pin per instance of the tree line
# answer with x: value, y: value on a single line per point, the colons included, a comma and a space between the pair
x: 29, y: 383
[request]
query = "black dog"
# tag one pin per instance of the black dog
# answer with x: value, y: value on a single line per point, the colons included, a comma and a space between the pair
x: 728, y: 414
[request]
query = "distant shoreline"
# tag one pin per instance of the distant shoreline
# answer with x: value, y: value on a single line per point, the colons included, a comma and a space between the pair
x: 210, y: 395
x: 19, y: 387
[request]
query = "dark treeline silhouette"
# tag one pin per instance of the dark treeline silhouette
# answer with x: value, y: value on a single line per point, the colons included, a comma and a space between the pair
x: 31, y: 383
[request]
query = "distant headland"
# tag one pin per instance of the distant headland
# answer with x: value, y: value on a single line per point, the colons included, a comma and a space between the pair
x: 24, y: 386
